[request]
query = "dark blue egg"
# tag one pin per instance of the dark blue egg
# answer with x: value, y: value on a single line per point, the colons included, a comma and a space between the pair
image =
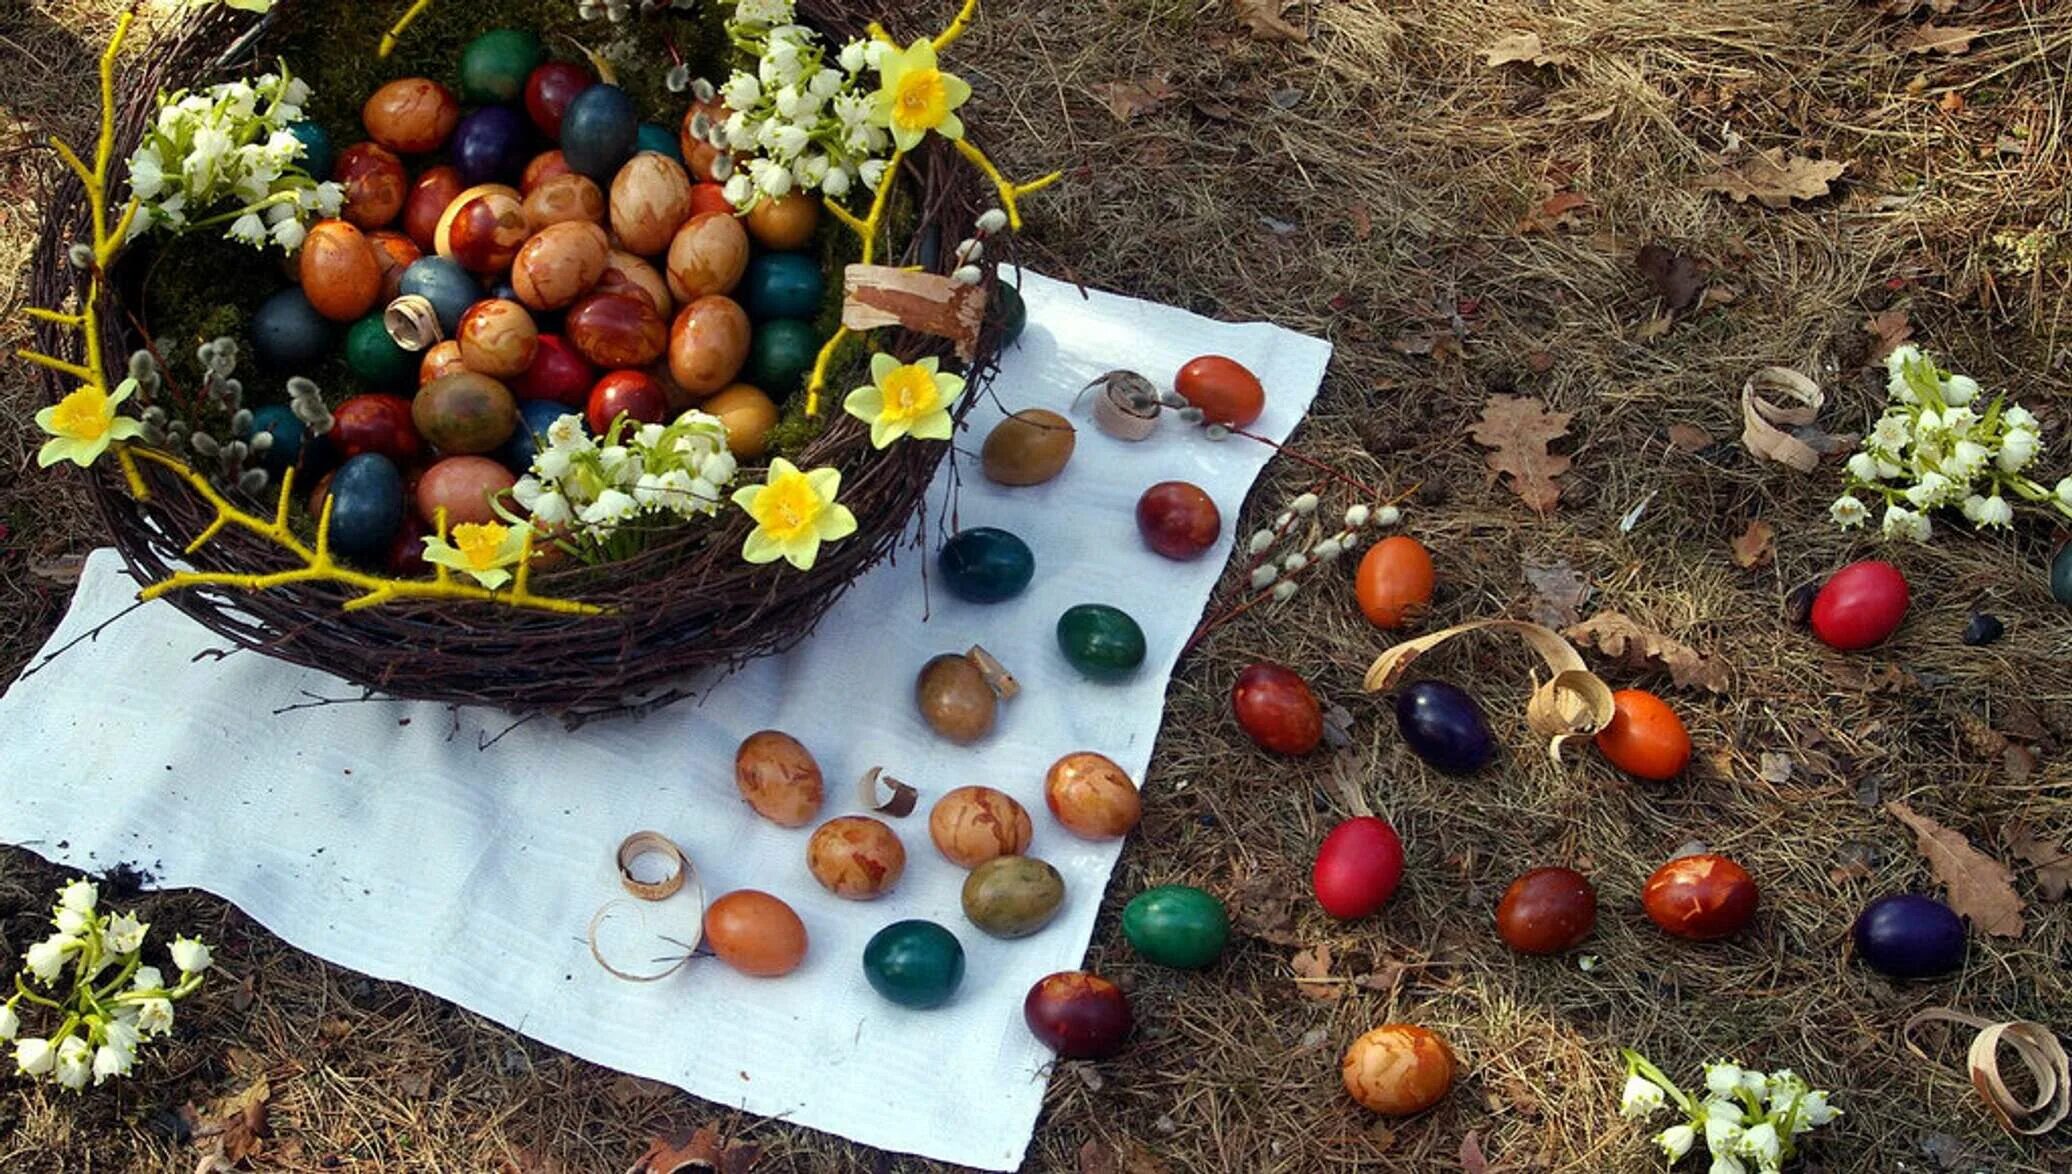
x: 782, y: 285
x: 491, y: 145
x: 599, y: 131
x: 985, y: 565
x: 289, y: 335
x: 659, y: 139
x: 285, y: 428
x: 317, y: 155
x: 1907, y: 935
x: 446, y: 285
x: 1444, y: 726
x: 535, y: 416
x: 366, y: 508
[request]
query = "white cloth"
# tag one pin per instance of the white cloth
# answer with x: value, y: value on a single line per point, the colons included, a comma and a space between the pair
x: 380, y: 837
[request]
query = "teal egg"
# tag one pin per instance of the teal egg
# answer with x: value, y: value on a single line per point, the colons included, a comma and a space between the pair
x: 1102, y: 642
x: 598, y: 132
x: 782, y: 285
x: 1010, y: 311
x: 446, y: 285
x: 285, y: 435
x: 494, y: 66
x: 659, y: 139
x: 781, y: 354
x: 376, y: 359
x: 2061, y: 575
x: 986, y: 565
x: 1176, y: 925
x: 916, y: 964
x: 317, y: 155
x: 289, y: 335
x: 366, y: 506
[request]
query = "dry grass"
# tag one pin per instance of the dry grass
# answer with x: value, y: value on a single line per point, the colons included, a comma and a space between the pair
x: 1247, y: 198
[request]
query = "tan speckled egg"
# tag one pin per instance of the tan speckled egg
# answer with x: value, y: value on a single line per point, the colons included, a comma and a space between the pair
x: 498, y: 338
x: 778, y: 777
x: 1092, y: 797
x: 651, y: 199
x: 561, y: 264
x: 564, y: 198
x: 708, y: 344
x: 856, y: 857
x: 707, y: 256
x: 339, y: 272
x: 628, y: 274
x: 972, y: 825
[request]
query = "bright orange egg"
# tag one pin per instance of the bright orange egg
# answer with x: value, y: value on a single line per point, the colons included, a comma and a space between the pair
x: 1395, y: 582
x: 756, y: 933
x: 1646, y: 739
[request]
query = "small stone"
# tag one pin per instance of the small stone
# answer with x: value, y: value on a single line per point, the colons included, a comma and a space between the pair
x: 1983, y: 629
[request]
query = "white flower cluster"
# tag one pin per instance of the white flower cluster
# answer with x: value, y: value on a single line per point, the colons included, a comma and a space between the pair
x: 1750, y: 1121
x: 1937, y: 446
x: 104, y: 1022
x: 225, y: 156
x: 577, y: 483
x: 1280, y: 573
x: 616, y: 11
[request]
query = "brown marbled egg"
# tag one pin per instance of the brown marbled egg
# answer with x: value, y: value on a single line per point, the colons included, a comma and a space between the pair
x: 544, y: 166
x: 375, y: 184
x: 1028, y: 448
x: 1092, y: 797
x: 433, y: 193
x: 748, y: 414
x: 779, y: 778
x: 498, y: 338
x: 339, y: 271
x: 785, y: 223
x: 700, y: 154
x: 393, y: 252
x: 411, y: 116
x: 972, y: 825
x: 856, y: 857
x: 627, y: 274
x: 439, y: 362
x: 483, y: 229
x: 465, y: 414
x: 707, y: 256
x: 565, y: 197
x: 465, y: 487
x: 616, y: 331
x: 955, y: 699
x: 651, y: 199
x: 561, y: 264
x: 708, y: 344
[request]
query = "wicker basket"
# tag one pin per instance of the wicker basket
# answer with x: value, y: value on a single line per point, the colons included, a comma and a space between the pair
x: 683, y: 609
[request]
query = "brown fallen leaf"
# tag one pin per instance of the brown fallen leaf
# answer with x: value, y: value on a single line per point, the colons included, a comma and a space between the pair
x: 236, y: 1124
x: 1775, y: 180
x: 1472, y: 1160
x: 1524, y: 47
x: 1617, y: 635
x: 1776, y: 767
x: 1679, y: 279
x: 700, y: 1150
x: 1558, y: 592
x: 1362, y: 220
x: 1764, y: 423
x: 1127, y: 99
x: 1933, y: 38
x: 1098, y: 1157
x: 1262, y: 18
x: 1560, y: 210
x: 1890, y: 329
x: 1977, y: 886
x: 1690, y: 437
x: 1518, y: 430
x: 2048, y: 859
x: 1755, y: 545
x: 1313, y: 975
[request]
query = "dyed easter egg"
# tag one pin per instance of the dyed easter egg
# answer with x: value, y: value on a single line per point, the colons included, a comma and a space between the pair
x: 494, y: 66
x: 1277, y: 710
x: 550, y: 89
x: 1546, y: 911
x: 338, y: 270
x: 1092, y: 796
x: 375, y: 185
x: 464, y: 487
x: 697, y: 153
x: 986, y: 565
x: 1028, y: 448
x: 1907, y: 935
x: 1225, y: 390
x: 915, y: 964
x: 565, y: 197
x: 598, y: 131
x: 440, y: 361
x: 631, y: 394
x: 1443, y: 725
x: 707, y: 256
x: 1012, y: 896
x: 779, y: 778
x: 446, y: 286
x: 1645, y: 738
x: 289, y: 335
x: 284, y: 434
x: 544, y: 166
x: 535, y: 416
x: 625, y: 273
x: 394, y: 254
x: 1176, y: 925
x: 1011, y: 312
x: 856, y: 857
x: 971, y: 825
x: 376, y: 359
x: 2061, y: 574
x: 375, y: 424
x: 782, y: 285
x: 786, y: 222
x: 483, y: 229
x: 1398, y: 1070
x: 491, y: 145
x: 1178, y: 520
x: 465, y: 414
x: 1079, y: 1016
x: 430, y: 196
x: 317, y: 154
x: 748, y: 415
x: 708, y: 344
x: 1358, y: 867
x: 710, y: 197
x: 558, y: 373
x: 1862, y: 606
x: 411, y: 116
x: 755, y: 933
x: 956, y: 699
x: 613, y: 331
x: 1701, y: 897
x: 366, y: 504
x: 1102, y: 642
x: 658, y: 138
x: 560, y: 265
x: 498, y: 339
x: 782, y: 354
x: 650, y: 201
x: 1395, y: 582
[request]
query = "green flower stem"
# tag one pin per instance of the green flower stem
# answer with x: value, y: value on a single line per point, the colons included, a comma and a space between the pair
x: 1638, y: 1064
x: 22, y: 991
x: 280, y: 197
x: 121, y: 980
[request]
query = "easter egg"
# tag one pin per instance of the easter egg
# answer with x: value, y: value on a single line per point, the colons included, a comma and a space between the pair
x: 1645, y: 738
x: 659, y: 139
x: 1907, y: 935
x: 565, y: 197
x: 1012, y: 896
x: 376, y: 359
x: 1862, y: 606
x: 708, y: 255
x: 440, y: 361
x: 317, y: 154
x: 784, y: 222
x: 1178, y: 520
x: 955, y: 699
x: 755, y: 933
x: 748, y: 415
x: 430, y: 196
x: 1028, y: 448
x: 856, y: 857
x: 1176, y: 925
x: 464, y: 487
x: 1078, y: 1015
x: 494, y: 67
x: 708, y: 344
x: 491, y: 146
x: 1443, y: 725
x: 394, y: 254
x: 2061, y: 574
x: 614, y: 330
x: 598, y: 131
x: 544, y: 166
x: 558, y: 373
x: 986, y: 565
x: 338, y: 270
x: 915, y: 964
x: 782, y: 285
x: 411, y: 116
x: 498, y: 339
x: 375, y: 424
x: 289, y: 335
x: 535, y: 416
x: 781, y: 355
x: 375, y: 185
x: 285, y: 435
x: 469, y: 413
x: 1701, y: 897
x: 627, y: 274
x: 632, y: 394
x: 1011, y: 312
x: 693, y: 141
x: 1092, y: 796
x: 1398, y: 1069
x: 1546, y: 911
x: 446, y: 286
x: 550, y: 89
x: 1395, y: 582
x: 1275, y: 708
x: 971, y: 825
x: 366, y: 504
x: 1102, y: 642
x: 483, y: 229
x: 1225, y: 390
x: 710, y: 197
x: 650, y: 201
x: 1358, y: 867
x: 560, y: 265
x: 779, y: 778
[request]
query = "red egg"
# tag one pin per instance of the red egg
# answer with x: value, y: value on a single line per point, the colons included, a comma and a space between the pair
x: 406, y: 558
x: 626, y: 393
x: 1358, y: 867
x: 465, y: 487
x: 1546, y: 911
x: 1275, y: 707
x: 1225, y: 390
x: 393, y: 253
x: 710, y: 197
x: 1079, y: 1016
x: 544, y: 166
x: 375, y: 423
x: 557, y: 373
x: 549, y: 91
x: 483, y: 229
x: 375, y: 185
x: 615, y: 330
x: 412, y: 116
x: 433, y: 193
x: 1700, y: 897
x: 1178, y: 520
x: 498, y: 338
x: 340, y: 274
x: 1861, y: 606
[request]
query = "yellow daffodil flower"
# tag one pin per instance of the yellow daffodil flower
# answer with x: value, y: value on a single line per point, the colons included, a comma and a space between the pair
x: 794, y: 513
x: 84, y: 424
x: 905, y: 400
x: 915, y: 97
x: 485, y: 551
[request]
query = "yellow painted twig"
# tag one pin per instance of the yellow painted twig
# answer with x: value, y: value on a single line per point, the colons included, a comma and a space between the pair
x: 394, y: 36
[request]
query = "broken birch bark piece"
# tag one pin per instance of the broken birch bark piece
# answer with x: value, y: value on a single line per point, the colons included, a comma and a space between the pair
x: 926, y: 303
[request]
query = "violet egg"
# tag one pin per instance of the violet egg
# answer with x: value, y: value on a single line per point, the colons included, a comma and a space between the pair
x: 491, y: 145
x: 1907, y: 935
x: 1444, y: 726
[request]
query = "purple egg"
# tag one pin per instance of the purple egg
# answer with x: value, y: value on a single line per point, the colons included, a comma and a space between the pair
x: 1444, y: 726
x: 1907, y: 935
x: 490, y: 145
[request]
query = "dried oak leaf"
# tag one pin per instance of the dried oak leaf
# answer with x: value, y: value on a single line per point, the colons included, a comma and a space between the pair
x: 1558, y: 592
x: 1524, y: 47
x: 1616, y: 635
x: 700, y: 1150
x: 1127, y: 99
x: 237, y: 1124
x: 1933, y: 38
x: 1518, y: 429
x: 1690, y: 437
x: 1313, y: 975
x: 1755, y: 545
x: 1977, y: 885
x: 1679, y: 279
x: 1889, y: 329
x: 1262, y: 18
x: 1472, y: 1160
x: 2048, y: 858
x: 1775, y: 180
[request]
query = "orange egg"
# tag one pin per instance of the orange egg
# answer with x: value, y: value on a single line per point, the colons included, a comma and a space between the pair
x: 856, y: 857
x: 439, y: 362
x: 1395, y: 582
x: 779, y: 778
x: 785, y: 223
x: 1225, y: 390
x: 972, y: 825
x: 413, y: 115
x: 755, y: 933
x: 498, y: 338
x: 651, y: 199
x: 1092, y: 797
x: 748, y: 414
x: 1646, y: 739
x: 1398, y: 1069
x: 707, y: 256
x: 565, y: 197
x: 708, y: 344
x: 339, y: 272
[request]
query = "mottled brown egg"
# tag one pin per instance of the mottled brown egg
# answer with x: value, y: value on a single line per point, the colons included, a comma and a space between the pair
x: 785, y: 223
x: 483, y: 229
x: 1092, y: 797
x: 563, y: 198
x: 756, y: 933
x: 433, y: 193
x: 561, y: 264
x: 498, y: 338
x: 778, y: 778
x: 439, y: 362
x: 465, y: 487
x: 375, y: 184
x: 625, y: 273
x: 413, y: 115
x: 955, y: 699
x: 466, y: 414
x: 856, y: 857
x: 393, y: 253
x: 616, y: 331
x: 708, y: 344
x: 340, y: 274
x: 1028, y: 448
x: 544, y: 166
x: 651, y: 199
x: 972, y: 825
x: 707, y: 256
x: 748, y: 414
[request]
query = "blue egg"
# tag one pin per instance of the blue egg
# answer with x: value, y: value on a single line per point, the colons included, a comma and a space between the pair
x: 986, y: 565
x: 599, y: 131
x: 317, y: 155
x: 782, y: 285
x: 659, y: 139
x: 1907, y: 935
x: 289, y: 335
x: 446, y: 285
x: 535, y: 416
x: 490, y: 145
x: 288, y: 434
x: 366, y: 508
x: 1444, y: 726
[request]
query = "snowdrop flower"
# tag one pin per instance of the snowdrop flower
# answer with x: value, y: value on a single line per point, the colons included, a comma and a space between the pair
x: 1642, y: 1098
x: 2019, y: 419
x: 1864, y: 467
x: 46, y: 959
x: 872, y: 173
x: 2018, y: 449
x: 1848, y: 512
x: 550, y: 508
x: 110, y: 1060
x: 1722, y: 1079
x: 155, y: 1016
x: 566, y: 432
x: 75, y: 1063
x: 10, y: 1023
x: 772, y: 178
x: 1959, y: 390
x: 1891, y: 433
x: 836, y: 185
x: 810, y: 171
x: 1965, y: 462
x: 740, y: 189
x: 854, y: 57
x: 825, y: 84
x: 1933, y: 489
x: 1676, y: 1141
x: 744, y: 91
x: 1814, y: 1111
x: 147, y: 174
x: 125, y: 934
x: 1959, y: 422
x: 611, y: 507
x: 1722, y: 1126
x: 72, y: 921
x: 1762, y: 1143
x: 147, y: 978
x: 289, y: 234
x: 1901, y: 358
x: 190, y: 955
x: 2064, y: 491
x: 35, y: 1057
x: 1726, y: 1164
x: 1995, y: 512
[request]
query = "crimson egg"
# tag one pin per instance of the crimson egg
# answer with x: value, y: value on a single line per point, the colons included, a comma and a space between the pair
x: 1178, y: 520
x: 1079, y: 1016
x: 1546, y: 911
x: 1861, y: 606
x: 483, y: 229
x: 626, y: 393
x: 1358, y: 867
x: 429, y: 198
x: 615, y: 330
x: 557, y: 373
x: 375, y: 184
x: 1701, y: 897
x: 377, y: 424
x: 549, y: 91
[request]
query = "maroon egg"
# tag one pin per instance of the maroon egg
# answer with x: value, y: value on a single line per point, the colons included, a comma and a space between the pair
x: 1275, y: 707
x: 1862, y: 606
x: 627, y: 393
x: 375, y: 185
x: 1701, y: 897
x: 617, y: 330
x: 1079, y: 1016
x: 433, y: 193
x: 557, y: 373
x: 376, y: 423
x: 1178, y: 520
x: 393, y: 253
x: 549, y: 91
x: 1546, y: 911
x: 483, y: 229
x: 465, y: 487
x: 406, y: 558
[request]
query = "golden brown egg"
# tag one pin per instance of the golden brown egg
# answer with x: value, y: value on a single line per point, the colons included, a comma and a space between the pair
x: 708, y: 344
x: 1092, y: 797
x: 625, y: 273
x: 755, y: 933
x: 778, y: 777
x: 483, y: 229
x: 651, y: 199
x: 956, y: 699
x: 412, y: 116
x: 498, y: 338
x: 340, y: 274
x: 748, y: 414
x: 565, y: 197
x: 616, y: 331
x: 561, y: 264
x: 439, y: 362
x: 1028, y: 448
x: 785, y: 223
x: 707, y: 256
x: 700, y: 154
x: 856, y: 857
x: 972, y: 825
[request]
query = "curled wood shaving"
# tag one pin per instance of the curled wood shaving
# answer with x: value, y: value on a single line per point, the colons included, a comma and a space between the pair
x: 1571, y: 704
x: 2034, y: 1044
x: 1786, y: 434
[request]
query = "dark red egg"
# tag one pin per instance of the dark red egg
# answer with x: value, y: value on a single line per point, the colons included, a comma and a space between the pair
x: 1546, y: 911
x: 1178, y: 520
x: 429, y: 198
x: 1358, y: 867
x: 627, y: 393
x: 406, y: 557
x: 375, y: 185
x: 1276, y: 708
x: 483, y: 229
x: 557, y: 373
x: 549, y: 91
x: 710, y: 197
x: 1701, y: 897
x: 617, y: 330
x: 378, y: 424
x: 1079, y: 1016
x: 1861, y: 606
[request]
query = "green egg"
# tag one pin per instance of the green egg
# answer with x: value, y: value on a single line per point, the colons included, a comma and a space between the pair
x: 495, y: 65
x: 780, y: 356
x: 1176, y: 925
x: 377, y: 360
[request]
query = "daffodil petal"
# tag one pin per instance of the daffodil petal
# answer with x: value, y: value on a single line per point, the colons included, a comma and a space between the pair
x: 803, y: 553
x: 761, y: 548
x: 908, y: 139
x: 52, y: 452
x: 123, y: 391
x: 124, y: 428
x: 951, y: 127
x: 865, y: 403
x: 956, y: 89
x: 883, y: 364
x: 949, y: 387
x: 780, y: 469
x: 934, y: 426
x: 884, y: 432
x: 46, y: 416
x: 836, y: 524
x: 825, y: 482
x: 747, y: 495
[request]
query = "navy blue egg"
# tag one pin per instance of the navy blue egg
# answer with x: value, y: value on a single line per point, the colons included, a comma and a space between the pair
x: 317, y: 155
x: 446, y: 285
x: 659, y: 139
x: 782, y: 285
x: 489, y: 146
x: 366, y: 508
x: 1907, y: 935
x: 986, y: 565
x: 289, y: 335
x: 285, y: 427
x: 535, y: 416
x: 1444, y: 726
x: 599, y: 131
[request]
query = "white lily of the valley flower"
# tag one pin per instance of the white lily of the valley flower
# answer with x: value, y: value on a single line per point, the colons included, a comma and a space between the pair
x: 190, y: 956
x: 1722, y: 1079
x: 155, y: 1016
x: 1901, y: 522
x: 1676, y: 1141
x: 2018, y: 449
x: 10, y: 1023
x: 1722, y: 1126
x: 1901, y: 358
x: 1891, y: 433
x: 1959, y: 390
x: 125, y: 934
x: 1814, y: 1111
x: 1848, y: 512
x: 147, y: 978
x: 1996, y: 512
x: 1933, y: 489
x: 1641, y: 1098
x: 35, y: 1057
x: 110, y: 1060
x: 1726, y: 1164
x: 46, y: 959
x: 72, y: 921
x: 1864, y: 467
x: 79, y: 896
x: 2019, y: 419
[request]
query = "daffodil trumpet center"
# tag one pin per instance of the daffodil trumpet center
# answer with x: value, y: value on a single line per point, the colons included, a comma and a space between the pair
x: 789, y: 508
x: 86, y: 414
x: 911, y: 392
x: 922, y: 100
